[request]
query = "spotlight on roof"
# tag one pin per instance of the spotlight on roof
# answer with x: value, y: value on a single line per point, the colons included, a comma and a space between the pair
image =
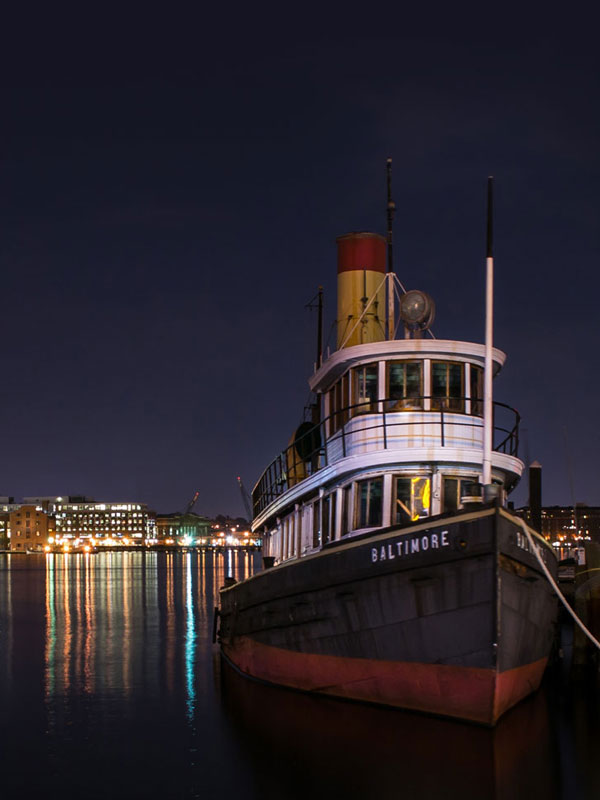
x: 417, y: 310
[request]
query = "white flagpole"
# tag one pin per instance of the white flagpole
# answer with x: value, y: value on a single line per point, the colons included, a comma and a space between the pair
x: 489, y: 342
x: 391, y: 207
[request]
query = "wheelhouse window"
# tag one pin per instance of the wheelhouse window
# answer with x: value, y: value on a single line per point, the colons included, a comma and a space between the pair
x: 447, y: 385
x: 404, y: 385
x: 364, y: 389
x: 369, y: 496
x: 412, y: 499
x: 476, y: 391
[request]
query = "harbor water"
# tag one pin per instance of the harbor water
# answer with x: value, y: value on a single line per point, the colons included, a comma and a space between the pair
x: 110, y: 687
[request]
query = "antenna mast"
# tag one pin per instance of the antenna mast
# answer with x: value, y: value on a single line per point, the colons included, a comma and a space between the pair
x: 320, y: 327
x: 489, y: 336
x: 391, y: 208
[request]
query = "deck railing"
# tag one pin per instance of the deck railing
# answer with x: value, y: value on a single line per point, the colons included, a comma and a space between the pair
x: 309, y: 452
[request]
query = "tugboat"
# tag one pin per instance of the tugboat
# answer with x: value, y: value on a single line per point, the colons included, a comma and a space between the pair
x: 393, y: 571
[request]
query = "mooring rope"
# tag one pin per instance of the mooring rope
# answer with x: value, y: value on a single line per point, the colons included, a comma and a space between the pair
x: 561, y: 597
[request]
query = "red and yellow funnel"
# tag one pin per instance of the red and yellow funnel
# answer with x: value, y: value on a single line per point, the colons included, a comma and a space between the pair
x: 361, y: 288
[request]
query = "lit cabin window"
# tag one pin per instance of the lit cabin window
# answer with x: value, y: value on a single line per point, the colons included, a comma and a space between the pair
x: 447, y: 385
x: 364, y: 389
x: 476, y: 391
x: 404, y: 385
x: 369, y: 495
x: 412, y: 499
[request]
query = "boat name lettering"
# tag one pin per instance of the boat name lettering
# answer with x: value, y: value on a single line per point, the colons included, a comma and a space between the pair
x: 408, y: 546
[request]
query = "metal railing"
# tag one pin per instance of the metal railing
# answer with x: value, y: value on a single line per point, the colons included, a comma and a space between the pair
x: 309, y: 452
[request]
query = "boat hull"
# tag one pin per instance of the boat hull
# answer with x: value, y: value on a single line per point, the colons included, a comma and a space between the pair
x: 453, y: 618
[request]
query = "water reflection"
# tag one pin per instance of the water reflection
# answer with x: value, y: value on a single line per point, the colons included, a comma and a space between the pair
x: 6, y: 626
x: 190, y: 640
x: 107, y: 670
x: 118, y: 621
x: 357, y: 751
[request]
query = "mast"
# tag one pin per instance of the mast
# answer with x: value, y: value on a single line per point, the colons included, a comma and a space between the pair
x: 489, y: 335
x: 320, y: 327
x: 315, y: 408
x: 391, y: 208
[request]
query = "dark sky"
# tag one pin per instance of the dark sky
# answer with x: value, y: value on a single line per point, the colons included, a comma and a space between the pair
x: 172, y: 184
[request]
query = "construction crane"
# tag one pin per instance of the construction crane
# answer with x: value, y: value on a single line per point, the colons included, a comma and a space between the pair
x: 246, y: 499
x: 192, y: 503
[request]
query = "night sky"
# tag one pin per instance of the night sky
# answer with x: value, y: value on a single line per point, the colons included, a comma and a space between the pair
x: 172, y: 185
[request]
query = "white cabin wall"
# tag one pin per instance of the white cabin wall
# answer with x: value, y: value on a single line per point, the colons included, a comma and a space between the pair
x: 381, y: 384
x: 436, y: 493
x: 275, y: 548
x: 339, y: 507
x: 307, y: 523
x: 293, y: 548
x: 427, y: 383
x: 467, y: 388
x: 298, y: 530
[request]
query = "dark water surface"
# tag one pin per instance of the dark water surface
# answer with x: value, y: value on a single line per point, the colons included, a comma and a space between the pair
x: 110, y: 688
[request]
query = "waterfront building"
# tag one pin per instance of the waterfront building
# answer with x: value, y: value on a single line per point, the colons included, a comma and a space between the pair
x: 7, y: 504
x: 568, y: 524
x: 4, y: 526
x: 31, y: 528
x: 179, y: 526
x: 235, y: 536
x: 79, y: 517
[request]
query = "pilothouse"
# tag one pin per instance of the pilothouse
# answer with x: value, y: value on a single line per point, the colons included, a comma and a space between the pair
x: 400, y: 436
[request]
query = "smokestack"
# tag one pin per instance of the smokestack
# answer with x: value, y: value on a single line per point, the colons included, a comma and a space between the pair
x: 535, y: 496
x: 361, y: 288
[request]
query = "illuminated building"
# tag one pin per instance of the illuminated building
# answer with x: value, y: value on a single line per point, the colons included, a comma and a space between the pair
x: 567, y: 523
x: 81, y: 517
x: 179, y: 525
x: 573, y: 523
x: 31, y: 528
x: 4, y: 527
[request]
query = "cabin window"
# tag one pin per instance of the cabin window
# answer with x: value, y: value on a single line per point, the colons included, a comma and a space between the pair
x: 338, y: 405
x: 412, y: 499
x: 457, y: 488
x: 447, y: 385
x: 285, y: 531
x: 328, y: 511
x: 404, y: 385
x: 476, y: 391
x: 347, y: 510
x: 317, y: 523
x: 344, y: 399
x: 365, y: 389
x: 369, y: 495
x: 332, y: 411
x: 325, y: 511
x: 291, y: 548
